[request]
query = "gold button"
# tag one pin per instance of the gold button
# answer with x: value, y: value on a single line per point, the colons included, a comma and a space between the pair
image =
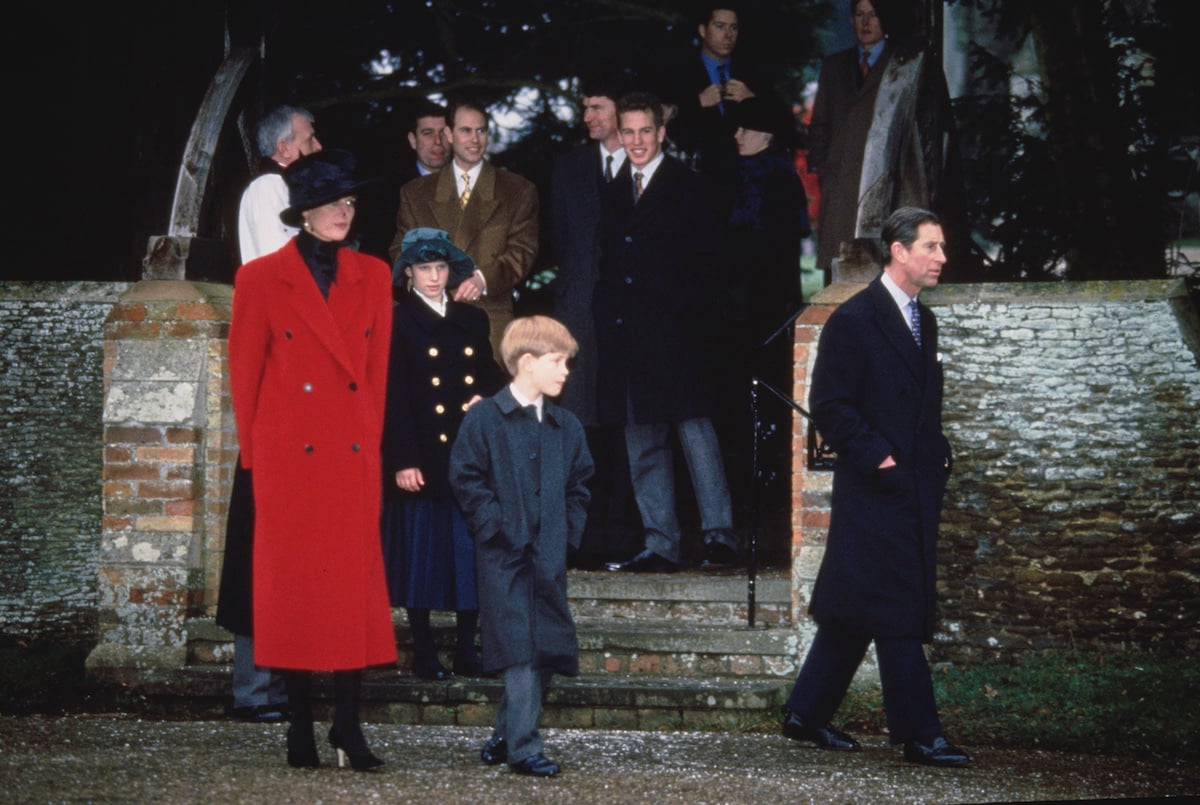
x: 443, y: 438
x: 437, y: 381
x: 433, y: 353
x: 441, y: 409
x: 469, y: 351
x: 469, y: 380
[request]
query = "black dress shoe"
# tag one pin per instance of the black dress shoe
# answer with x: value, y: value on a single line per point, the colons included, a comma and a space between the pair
x: 494, y: 751
x: 938, y: 752
x: 718, y: 556
x: 645, y: 562
x: 827, y: 737
x: 536, y: 766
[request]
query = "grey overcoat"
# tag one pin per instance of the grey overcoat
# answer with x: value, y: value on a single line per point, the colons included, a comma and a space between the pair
x: 521, y: 484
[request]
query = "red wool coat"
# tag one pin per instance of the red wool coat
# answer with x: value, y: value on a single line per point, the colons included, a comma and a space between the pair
x: 309, y: 380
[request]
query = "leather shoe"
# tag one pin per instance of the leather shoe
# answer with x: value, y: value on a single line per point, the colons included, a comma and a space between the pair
x: 938, y: 752
x: 718, y: 556
x: 645, y: 562
x: 827, y: 737
x: 494, y: 751
x: 536, y: 766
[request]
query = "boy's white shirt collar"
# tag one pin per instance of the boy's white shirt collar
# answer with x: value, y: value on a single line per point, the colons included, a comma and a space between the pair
x: 520, y: 398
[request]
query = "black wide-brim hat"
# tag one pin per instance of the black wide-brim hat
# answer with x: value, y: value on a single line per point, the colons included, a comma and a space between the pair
x: 760, y: 114
x: 320, y: 178
x: 426, y: 244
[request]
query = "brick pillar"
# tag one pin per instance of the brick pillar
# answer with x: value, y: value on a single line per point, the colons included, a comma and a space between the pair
x: 811, y: 489
x: 168, y: 456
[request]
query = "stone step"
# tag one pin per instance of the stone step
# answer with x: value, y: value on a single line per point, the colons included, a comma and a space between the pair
x: 610, y: 701
x: 645, y: 646
x: 712, y: 598
x: 680, y: 649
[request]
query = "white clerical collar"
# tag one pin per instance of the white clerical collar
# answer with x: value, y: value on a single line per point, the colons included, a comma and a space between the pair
x: 539, y: 403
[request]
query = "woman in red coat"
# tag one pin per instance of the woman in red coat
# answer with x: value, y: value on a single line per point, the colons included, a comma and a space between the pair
x: 308, y: 353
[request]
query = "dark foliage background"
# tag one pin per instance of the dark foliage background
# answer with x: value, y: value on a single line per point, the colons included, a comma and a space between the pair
x: 1089, y: 176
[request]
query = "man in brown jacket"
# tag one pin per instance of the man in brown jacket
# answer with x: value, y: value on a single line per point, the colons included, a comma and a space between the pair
x: 490, y: 214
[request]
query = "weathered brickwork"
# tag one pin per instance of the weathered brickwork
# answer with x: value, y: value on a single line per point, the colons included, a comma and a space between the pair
x: 1073, y: 515
x: 167, y: 466
x: 51, y: 372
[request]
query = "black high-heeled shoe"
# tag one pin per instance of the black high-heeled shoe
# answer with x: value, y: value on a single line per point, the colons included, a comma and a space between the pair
x: 302, y: 748
x: 356, y: 751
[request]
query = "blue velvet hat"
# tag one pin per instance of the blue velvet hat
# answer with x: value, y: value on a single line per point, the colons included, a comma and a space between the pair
x: 425, y: 244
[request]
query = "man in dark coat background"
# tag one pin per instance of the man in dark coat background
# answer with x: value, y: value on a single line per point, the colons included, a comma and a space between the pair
x: 426, y: 135
x: 706, y: 87
x: 876, y: 398
x: 579, y: 174
x: 841, y: 120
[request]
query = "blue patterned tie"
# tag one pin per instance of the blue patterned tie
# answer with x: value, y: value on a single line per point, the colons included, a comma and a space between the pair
x: 914, y: 317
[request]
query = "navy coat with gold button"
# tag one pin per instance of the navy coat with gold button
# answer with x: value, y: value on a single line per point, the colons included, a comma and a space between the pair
x: 437, y: 363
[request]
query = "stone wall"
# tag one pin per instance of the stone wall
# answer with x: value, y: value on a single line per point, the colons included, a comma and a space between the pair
x: 1072, y: 518
x: 51, y: 376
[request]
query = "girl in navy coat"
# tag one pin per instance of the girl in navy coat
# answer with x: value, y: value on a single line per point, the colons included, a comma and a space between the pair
x: 440, y: 364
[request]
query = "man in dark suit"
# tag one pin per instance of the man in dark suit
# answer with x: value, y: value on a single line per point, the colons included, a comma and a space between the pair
x: 575, y: 238
x: 491, y: 214
x: 876, y: 398
x: 706, y: 89
x: 426, y: 136
x: 654, y: 307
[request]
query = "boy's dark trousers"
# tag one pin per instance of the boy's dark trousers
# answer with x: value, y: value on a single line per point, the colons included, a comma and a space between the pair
x: 520, y: 709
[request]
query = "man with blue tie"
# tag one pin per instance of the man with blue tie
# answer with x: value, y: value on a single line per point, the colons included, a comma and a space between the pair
x: 876, y: 399
x: 706, y: 90
x: 654, y: 305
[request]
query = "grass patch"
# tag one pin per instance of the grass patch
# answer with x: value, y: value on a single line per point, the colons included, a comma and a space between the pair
x: 1122, y: 704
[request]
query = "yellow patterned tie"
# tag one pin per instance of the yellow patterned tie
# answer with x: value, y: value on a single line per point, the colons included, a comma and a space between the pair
x: 466, y: 193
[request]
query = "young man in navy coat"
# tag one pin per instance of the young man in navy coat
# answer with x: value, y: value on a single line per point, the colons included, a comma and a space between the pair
x: 654, y: 306
x: 877, y: 400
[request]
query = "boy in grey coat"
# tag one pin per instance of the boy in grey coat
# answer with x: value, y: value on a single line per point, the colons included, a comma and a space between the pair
x: 518, y: 469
